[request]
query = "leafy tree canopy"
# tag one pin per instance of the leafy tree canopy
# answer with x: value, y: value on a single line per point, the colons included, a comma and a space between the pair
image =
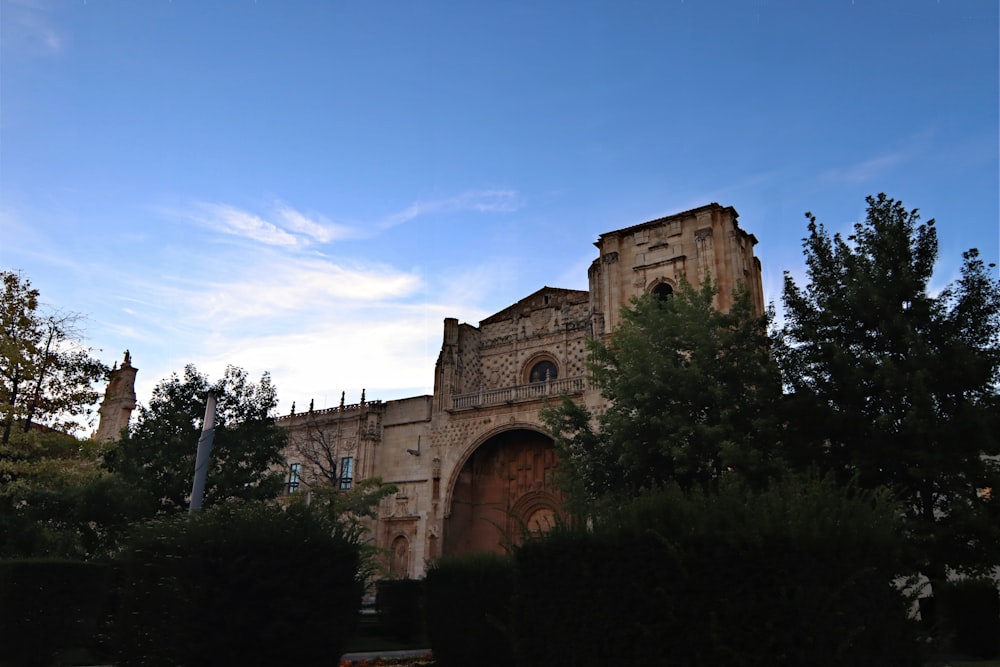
x: 46, y: 372
x: 55, y: 500
x: 347, y: 514
x: 897, y: 384
x: 691, y: 392
x: 157, y: 455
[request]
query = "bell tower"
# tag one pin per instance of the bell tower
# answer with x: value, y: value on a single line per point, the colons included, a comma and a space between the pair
x: 119, y: 401
x: 654, y: 256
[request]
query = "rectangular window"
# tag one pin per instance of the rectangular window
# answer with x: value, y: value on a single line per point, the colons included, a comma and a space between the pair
x: 346, y: 473
x: 294, y: 477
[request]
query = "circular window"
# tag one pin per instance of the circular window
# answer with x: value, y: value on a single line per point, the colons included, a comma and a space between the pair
x: 543, y: 371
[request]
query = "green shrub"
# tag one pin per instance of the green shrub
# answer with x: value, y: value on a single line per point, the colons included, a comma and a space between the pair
x: 47, y: 606
x: 467, y: 608
x: 245, y: 584
x: 797, y: 575
x: 596, y: 599
x: 399, y: 603
x: 970, y: 610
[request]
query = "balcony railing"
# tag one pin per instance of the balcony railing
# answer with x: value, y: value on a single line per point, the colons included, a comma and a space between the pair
x: 518, y: 393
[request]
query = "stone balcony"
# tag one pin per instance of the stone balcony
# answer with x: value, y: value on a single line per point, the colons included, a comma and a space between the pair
x: 519, y: 393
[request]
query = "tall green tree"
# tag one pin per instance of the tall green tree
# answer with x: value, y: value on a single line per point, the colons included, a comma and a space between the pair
x: 897, y: 385
x: 691, y: 392
x: 55, y: 499
x: 157, y: 455
x: 46, y: 373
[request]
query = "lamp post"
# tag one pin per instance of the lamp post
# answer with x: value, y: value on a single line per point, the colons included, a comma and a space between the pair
x: 203, y: 455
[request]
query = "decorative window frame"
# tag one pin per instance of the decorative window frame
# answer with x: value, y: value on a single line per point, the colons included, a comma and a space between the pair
x: 651, y: 288
x: 346, y: 473
x: 530, y: 503
x: 294, y: 477
x: 536, y: 359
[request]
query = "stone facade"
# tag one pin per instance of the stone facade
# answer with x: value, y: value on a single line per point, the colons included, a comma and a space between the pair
x: 119, y: 401
x: 472, y: 462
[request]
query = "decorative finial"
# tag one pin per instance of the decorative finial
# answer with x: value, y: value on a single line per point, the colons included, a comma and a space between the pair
x: 128, y: 359
x: 310, y: 405
x: 362, y: 397
x: 293, y: 407
x: 342, y: 399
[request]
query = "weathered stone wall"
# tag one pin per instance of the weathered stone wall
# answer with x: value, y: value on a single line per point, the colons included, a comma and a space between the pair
x: 706, y: 240
x: 550, y: 324
x: 319, y: 440
x: 474, y: 455
x: 119, y: 401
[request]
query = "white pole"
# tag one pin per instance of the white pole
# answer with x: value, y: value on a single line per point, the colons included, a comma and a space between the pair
x: 204, y: 452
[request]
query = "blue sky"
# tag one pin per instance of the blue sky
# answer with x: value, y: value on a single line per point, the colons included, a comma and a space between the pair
x: 308, y: 188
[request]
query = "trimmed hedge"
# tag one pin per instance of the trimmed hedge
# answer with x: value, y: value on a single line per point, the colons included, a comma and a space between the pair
x: 970, y: 611
x: 596, y: 600
x: 47, y: 606
x: 239, y: 584
x: 399, y: 603
x: 798, y: 575
x: 468, y: 610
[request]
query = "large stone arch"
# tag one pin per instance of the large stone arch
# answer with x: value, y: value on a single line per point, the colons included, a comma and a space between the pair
x: 502, y: 483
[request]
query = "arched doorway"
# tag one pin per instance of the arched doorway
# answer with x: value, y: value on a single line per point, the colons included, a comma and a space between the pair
x: 502, y: 488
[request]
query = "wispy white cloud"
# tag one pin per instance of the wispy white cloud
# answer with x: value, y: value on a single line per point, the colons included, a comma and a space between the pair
x: 284, y: 226
x: 274, y: 287
x: 315, y: 350
x: 290, y: 228
x: 28, y: 28
x: 229, y: 289
x: 480, y: 201
x: 319, y: 229
x: 906, y: 150
x: 236, y: 222
x: 274, y: 290
x: 867, y: 170
x: 315, y: 325
x: 355, y: 349
x: 269, y: 279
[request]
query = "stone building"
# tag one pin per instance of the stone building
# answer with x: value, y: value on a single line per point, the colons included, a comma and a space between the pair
x: 472, y: 462
x: 119, y: 401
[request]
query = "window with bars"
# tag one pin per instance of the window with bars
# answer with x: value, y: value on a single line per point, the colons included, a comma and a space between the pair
x: 346, y: 473
x: 294, y: 477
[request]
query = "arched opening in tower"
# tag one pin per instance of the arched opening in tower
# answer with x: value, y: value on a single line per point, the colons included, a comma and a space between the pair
x: 503, y: 493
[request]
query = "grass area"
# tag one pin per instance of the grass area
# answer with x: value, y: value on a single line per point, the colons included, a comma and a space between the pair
x: 974, y: 663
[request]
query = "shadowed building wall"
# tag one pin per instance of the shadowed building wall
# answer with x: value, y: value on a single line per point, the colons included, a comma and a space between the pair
x: 472, y: 462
